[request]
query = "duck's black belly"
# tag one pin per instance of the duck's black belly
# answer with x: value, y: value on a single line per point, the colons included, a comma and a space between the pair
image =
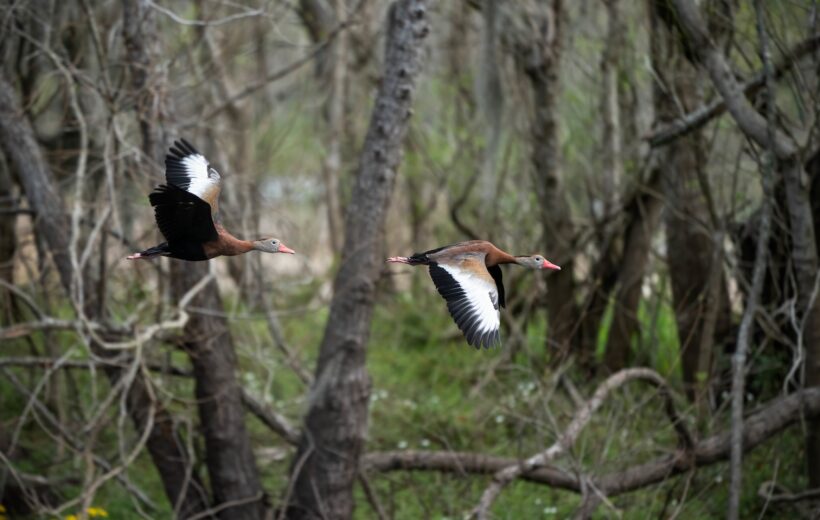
x: 191, y: 251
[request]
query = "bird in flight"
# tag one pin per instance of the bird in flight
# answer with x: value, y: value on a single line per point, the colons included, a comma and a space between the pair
x: 468, y: 276
x: 186, y: 210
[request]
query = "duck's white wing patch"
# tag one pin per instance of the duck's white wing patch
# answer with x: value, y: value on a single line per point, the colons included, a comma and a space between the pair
x: 472, y: 299
x: 188, y: 169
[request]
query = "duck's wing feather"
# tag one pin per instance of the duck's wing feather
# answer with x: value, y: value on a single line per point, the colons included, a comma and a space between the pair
x: 472, y: 298
x: 189, y: 170
x: 182, y: 216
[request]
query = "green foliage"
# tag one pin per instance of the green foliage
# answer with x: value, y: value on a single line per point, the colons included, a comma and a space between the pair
x: 423, y: 398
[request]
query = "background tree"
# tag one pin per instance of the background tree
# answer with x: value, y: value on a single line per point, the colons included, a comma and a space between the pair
x: 669, y: 369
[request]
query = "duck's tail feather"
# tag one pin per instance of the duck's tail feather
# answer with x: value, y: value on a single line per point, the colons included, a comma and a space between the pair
x: 151, y: 252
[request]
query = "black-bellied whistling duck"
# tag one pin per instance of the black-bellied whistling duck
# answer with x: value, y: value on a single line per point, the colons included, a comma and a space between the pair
x: 468, y: 276
x: 186, y: 212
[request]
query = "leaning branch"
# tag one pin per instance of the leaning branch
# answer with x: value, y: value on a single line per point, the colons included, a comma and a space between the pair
x: 47, y: 323
x: 273, y: 420
x: 89, y: 364
x: 751, y: 123
x: 464, y: 463
x: 700, y: 116
x: 760, y: 426
x: 582, y: 417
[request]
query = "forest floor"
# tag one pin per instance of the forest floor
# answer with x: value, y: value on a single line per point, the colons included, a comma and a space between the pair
x: 425, y: 397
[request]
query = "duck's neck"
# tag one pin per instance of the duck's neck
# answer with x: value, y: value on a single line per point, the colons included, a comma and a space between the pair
x: 497, y: 256
x: 522, y: 260
x: 233, y: 246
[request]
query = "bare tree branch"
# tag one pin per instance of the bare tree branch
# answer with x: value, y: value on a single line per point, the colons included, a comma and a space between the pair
x: 567, y: 438
x: 768, y: 421
x: 89, y: 364
x: 761, y: 251
x: 702, y: 115
x: 271, y: 418
x: 767, y: 491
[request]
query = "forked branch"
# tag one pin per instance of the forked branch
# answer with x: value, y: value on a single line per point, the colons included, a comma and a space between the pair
x: 582, y: 417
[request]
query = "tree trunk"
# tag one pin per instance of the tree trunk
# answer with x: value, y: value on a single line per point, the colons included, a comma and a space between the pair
x: 805, y: 265
x: 326, y: 464
x: 644, y: 217
x: 331, y: 72
x: 610, y: 110
x: 692, y: 255
x: 34, y: 175
x: 539, y: 59
x: 490, y: 97
x: 231, y: 467
x: 335, y: 117
x: 237, y: 205
x: 8, y: 243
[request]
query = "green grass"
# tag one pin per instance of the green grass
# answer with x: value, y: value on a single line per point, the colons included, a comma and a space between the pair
x: 423, y: 376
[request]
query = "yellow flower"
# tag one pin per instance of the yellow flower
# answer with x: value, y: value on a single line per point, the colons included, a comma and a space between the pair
x: 97, y: 511
x: 71, y: 517
x: 2, y: 508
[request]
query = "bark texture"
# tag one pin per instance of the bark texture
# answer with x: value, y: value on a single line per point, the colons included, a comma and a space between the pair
x: 327, y: 461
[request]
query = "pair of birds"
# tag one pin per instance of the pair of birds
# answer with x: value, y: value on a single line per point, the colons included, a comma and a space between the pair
x: 467, y: 274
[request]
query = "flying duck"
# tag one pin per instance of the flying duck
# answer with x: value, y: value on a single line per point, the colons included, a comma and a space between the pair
x: 186, y: 212
x: 468, y: 277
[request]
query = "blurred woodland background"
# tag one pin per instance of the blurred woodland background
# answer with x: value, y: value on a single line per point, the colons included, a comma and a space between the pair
x: 665, y: 153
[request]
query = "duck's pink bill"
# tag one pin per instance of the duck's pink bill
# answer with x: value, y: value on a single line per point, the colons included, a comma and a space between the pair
x: 285, y: 249
x: 549, y: 265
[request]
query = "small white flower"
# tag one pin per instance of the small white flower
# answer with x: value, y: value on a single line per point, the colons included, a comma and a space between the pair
x: 526, y: 388
x: 402, y: 445
x: 425, y: 443
x: 499, y: 419
x: 550, y: 510
x: 538, y: 501
x: 719, y: 479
